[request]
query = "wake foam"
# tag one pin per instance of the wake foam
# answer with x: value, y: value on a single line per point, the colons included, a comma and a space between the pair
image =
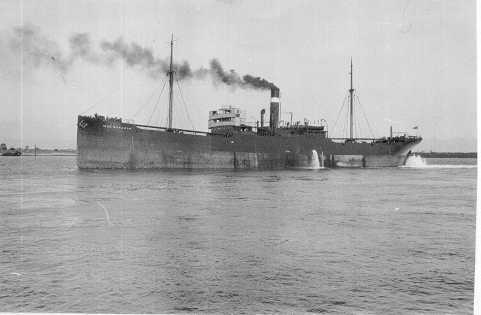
x: 417, y: 161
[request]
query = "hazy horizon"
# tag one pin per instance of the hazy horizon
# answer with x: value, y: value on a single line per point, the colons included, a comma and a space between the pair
x: 414, y: 64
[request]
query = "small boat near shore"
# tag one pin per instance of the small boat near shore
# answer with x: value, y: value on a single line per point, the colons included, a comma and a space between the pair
x: 9, y: 152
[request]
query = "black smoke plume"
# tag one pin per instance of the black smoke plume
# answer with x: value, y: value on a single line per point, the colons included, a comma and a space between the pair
x: 233, y: 79
x: 38, y: 51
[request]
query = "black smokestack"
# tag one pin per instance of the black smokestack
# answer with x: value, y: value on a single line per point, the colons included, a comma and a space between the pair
x: 274, y: 91
x: 274, y: 109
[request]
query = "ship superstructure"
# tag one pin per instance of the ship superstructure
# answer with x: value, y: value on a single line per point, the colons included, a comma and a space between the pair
x: 232, y: 143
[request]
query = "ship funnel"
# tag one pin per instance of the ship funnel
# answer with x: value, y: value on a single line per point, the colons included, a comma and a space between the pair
x: 263, y: 111
x: 274, y: 115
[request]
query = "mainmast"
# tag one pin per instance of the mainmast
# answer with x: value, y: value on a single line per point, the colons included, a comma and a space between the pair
x: 171, y: 81
x: 351, y: 94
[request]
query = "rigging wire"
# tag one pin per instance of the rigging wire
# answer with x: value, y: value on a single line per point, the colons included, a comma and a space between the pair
x: 88, y: 109
x: 365, y: 117
x: 186, y: 113
x: 348, y: 123
x: 95, y: 103
x: 183, y: 107
x: 143, y: 106
x: 164, y: 121
x: 339, y: 113
x: 361, y: 128
x: 345, y: 124
x: 353, y: 123
x: 356, y: 124
x: 157, y: 102
x: 184, y: 103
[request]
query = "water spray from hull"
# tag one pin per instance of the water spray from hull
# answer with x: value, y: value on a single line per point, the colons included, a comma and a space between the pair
x: 415, y: 161
x: 315, y: 160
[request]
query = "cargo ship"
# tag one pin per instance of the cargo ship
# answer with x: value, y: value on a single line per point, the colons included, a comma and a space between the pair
x: 232, y: 143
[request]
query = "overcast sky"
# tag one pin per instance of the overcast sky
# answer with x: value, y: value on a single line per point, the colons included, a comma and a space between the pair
x: 414, y: 64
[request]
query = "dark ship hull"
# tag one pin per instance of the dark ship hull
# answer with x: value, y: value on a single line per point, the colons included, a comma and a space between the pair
x: 12, y: 153
x: 107, y: 144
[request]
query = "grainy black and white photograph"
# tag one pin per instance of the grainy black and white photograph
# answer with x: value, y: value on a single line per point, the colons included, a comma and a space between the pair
x: 238, y: 157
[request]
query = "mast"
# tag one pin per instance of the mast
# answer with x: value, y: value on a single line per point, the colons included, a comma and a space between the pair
x: 171, y: 80
x: 351, y: 93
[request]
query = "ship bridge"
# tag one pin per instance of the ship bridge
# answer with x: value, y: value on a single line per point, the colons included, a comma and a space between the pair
x: 228, y: 117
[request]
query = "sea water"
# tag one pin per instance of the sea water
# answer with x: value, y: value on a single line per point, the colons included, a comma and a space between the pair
x: 394, y: 240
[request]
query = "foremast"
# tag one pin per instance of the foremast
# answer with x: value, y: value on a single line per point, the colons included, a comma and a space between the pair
x: 171, y: 81
x: 351, y: 113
